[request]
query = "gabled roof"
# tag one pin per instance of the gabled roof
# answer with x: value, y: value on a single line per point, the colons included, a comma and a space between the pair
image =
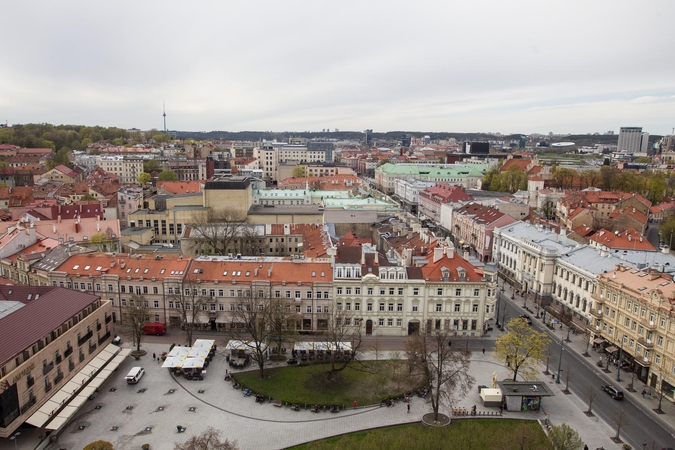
x: 481, y: 214
x: 629, y: 239
x: 246, y: 270
x: 66, y: 171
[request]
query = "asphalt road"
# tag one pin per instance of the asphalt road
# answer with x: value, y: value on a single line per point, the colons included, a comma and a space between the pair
x: 640, y: 427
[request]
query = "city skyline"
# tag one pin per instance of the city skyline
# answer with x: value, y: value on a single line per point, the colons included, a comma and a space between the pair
x: 506, y: 67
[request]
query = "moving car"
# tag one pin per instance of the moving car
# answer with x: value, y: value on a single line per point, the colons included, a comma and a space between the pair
x: 134, y: 375
x: 157, y: 328
x: 527, y: 318
x: 614, y: 392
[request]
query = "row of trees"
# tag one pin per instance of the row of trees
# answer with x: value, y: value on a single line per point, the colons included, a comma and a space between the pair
x: 653, y: 185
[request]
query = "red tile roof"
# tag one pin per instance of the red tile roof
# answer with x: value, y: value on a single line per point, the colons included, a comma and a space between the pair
x: 264, y: 270
x: 180, y: 187
x: 445, y: 193
x: 628, y: 240
x: 67, y: 171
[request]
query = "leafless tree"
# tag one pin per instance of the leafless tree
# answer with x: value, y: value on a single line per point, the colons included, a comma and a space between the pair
x: 632, y: 375
x: 208, y: 440
x: 217, y: 230
x: 135, y: 315
x: 251, y: 243
x: 190, y: 304
x: 342, y: 327
x: 568, y: 376
x: 620, y: 421
x: 266, y: 319
x: 445, y: 369
x: 591, y: 394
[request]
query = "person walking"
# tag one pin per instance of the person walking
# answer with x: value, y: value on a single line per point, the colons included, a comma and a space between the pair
x: 483, y: 351
x: 408, y: 408
x: 354, y: 404
x: 154, y: 356
x: 643, y: 393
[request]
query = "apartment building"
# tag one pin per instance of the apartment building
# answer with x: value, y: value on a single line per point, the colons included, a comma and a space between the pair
x: 633, y: 315
x: 408, y: 190
x: 127, y: 168
x: 467, y: 176
x: 473, y: 227
x: 432, y: 198
x: 442, y: 291
x: 129, y: 200
x: 48, y: 334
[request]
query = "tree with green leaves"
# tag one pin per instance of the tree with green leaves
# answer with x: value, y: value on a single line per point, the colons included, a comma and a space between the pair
x: 152, y: 165
x: 656, y: 187
x: 522, y: 348
x: 144, y: 177
x: 167, y: 175
x: 299, y: 172
x: 564, y: 437
x: 102, y: 241
x: 87, y: 197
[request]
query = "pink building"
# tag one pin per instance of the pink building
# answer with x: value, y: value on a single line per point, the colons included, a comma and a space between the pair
x: 431, y: 199
x: 473, y: 225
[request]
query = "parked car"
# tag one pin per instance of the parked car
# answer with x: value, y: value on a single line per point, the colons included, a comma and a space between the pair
x: 613, y: 391
x: 527, y: 318
x: 117, y: 340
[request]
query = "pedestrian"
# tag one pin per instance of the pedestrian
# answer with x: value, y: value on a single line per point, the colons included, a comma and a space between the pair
x: 354, y: 404
x: 585, y: 447
x: 483, y: 351
x: 501, y: 409
x: 649, y: 393
x: 408, y: 408
x: 643, y: 393
x: 154, y: 356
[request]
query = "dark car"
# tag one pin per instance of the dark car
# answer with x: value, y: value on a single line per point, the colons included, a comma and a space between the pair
x: 527, y: 319
x: 614, y: 392
x: 291, y: 361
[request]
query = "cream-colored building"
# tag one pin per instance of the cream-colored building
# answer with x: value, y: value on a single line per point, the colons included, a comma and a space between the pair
x: 127, y: 168
x: 48, y: 334
x: 635, y: 313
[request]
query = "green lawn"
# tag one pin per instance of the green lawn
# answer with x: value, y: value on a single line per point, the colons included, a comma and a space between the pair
x: 473, y: 434
x: 367, y: 383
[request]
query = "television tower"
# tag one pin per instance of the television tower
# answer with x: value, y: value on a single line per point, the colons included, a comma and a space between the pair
x: 164, y: 115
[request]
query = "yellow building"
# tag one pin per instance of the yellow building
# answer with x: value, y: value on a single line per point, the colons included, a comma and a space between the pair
x: 634, y: 313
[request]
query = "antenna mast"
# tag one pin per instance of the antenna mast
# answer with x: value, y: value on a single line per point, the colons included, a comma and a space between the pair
x: 164, y: 115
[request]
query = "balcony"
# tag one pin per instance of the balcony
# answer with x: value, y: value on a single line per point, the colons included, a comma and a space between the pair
x: 47, y: 368
x: 98, y: 327
x: 82, y: 340
x: 104, y: 338
x: 48, y: 387
x: 92, y: 348
x: 71, y: 365
x: 646, y: 343
x: 81, y: 357
x: 27, y: 406
x: 599, y: 300
x: 68, y: 352
x: 108, y: 319
x: 58, y: 378
x: 58, y: 359
x: 647, y: 324
x: 30, y: 381
x: 597, y: 313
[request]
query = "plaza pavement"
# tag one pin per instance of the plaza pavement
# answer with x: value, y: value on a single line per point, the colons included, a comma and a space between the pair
x: 256, y: 426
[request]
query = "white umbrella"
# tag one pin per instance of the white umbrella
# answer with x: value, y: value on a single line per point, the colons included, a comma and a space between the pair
x: 179, y: 351
x: 198, y: 352
x: 173, y: 362
x: 194, y: 363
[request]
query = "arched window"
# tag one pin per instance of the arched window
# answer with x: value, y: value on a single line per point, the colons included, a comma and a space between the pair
x: 584, y: 304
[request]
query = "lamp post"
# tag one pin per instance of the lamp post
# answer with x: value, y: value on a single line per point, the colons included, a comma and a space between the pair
x: 618, y: 370
x: 569, y: 327
x: 562, y: 344
x: 13, y: 438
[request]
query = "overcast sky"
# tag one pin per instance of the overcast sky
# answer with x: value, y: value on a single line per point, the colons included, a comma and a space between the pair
x: 465, y: 66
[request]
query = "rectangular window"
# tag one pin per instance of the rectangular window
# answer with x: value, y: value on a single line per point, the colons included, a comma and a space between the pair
x: 357, y: 291
x: 439, y: 291
x: 390, y: 322
x: 391, y: 291
x: 369, y: 307
x: 415, y: 307
x: 458, y: 292
x: 416, y: 291
x: 309, y: 308
x: 476, y: 292
x: 400, y: 291
x: 381, y: 306
x: 382, y: 291
x: 155, y: 304
x: 399, y: 307
x: 348, y: 291
x: 457, y: 307
x: 357, y: 306
x: 348, y: 306
x: 380, y: 322
x: 339, y: 291
x: 370, y: 291
x: 474, y: 308
x: 338, y: 306
x: 439, y: 307
x: 399, y: 322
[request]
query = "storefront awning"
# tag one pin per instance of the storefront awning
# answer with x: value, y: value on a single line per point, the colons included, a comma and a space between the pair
x: 598, y: 341
x: 612, y: 349
x: 65, y: 402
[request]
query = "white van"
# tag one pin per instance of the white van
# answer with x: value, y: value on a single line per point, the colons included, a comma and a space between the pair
x: 134, y: 375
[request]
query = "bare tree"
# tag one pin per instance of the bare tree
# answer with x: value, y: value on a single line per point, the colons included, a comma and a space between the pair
x: 564, y: 437
x: 217, y: 230
x: 266, y: 319
x: 135, y: 315
x: 632, y: 375
x: 620, y: 421
x: 342, y: 327
x: 189, y: 304
x: 208, y: 440
x: 251, y: 243
x: 568, y: 376
x: 445, y: 369
x: 591, y: 394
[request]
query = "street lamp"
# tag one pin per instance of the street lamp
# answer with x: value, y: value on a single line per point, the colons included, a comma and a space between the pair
x: 562, y: 344
x: 13, y: 438
x: 618, y: 370
x: 569, y: 327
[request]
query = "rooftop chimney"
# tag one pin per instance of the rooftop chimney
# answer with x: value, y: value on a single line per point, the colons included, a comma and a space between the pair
x: 438, y: 254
